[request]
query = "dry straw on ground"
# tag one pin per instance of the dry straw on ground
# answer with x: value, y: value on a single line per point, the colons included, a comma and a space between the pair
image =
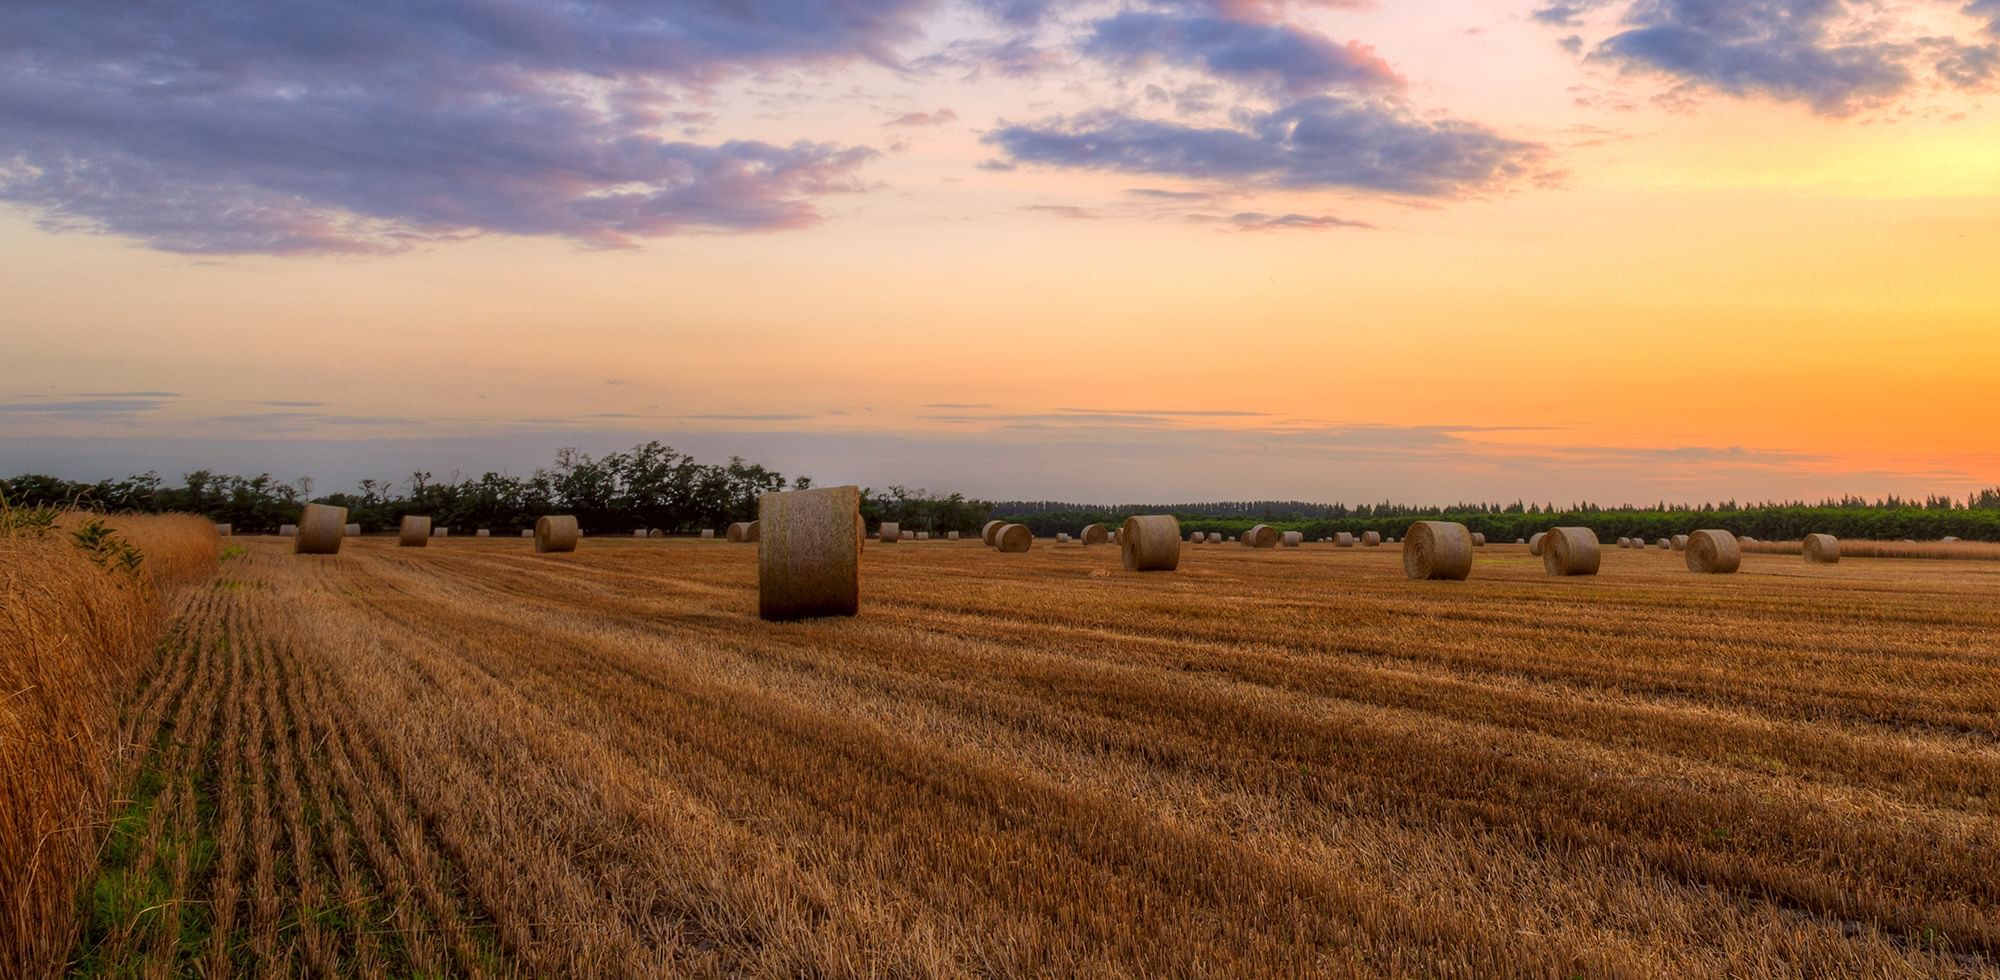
x: 1570, y: 551
x: 1151, y: 543
x: 809, y: 563
x: 1822, y: 549
x: 413, y: 532
x: 556, y: 534
x: 321, y: 528
x: 1013, y: 539
x: 1261, y: 536
x: 1437, y: 551
x: 889, y: 532
x: 1713, y: 553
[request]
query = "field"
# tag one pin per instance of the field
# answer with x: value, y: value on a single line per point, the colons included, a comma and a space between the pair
x: 470, y: 759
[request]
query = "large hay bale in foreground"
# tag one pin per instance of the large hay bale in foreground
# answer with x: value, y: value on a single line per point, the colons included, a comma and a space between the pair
x: 1535, y: 543
x: 1343, y: 540
x: 287, y: 530
x: 744, y: 532
x: 989, y: 529
x: 1151, y: 543
x: 1570, y: 551
x: 1822, y: 549
x: 1437, y: 551
x: 1261, y: 536
x: 1013, y: 539
x: 1713, y: 553
x: 1371, y: 539
x: 321, y: 528
x: 413, y: 532
x: 889, y: 532
x: 556, y: 534
x: 809, y: 560
x: 1292, y: 539
x: 1093, y: 534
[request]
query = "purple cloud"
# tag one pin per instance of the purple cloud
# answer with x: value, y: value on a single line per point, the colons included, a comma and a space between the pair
x: 1324, y: 142
x: 245, y: 127
x: 1278, y: 56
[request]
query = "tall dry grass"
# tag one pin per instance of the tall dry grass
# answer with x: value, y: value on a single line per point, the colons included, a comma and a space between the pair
x: 74, y: 634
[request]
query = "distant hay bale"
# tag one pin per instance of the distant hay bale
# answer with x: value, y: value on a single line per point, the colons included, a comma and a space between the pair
x: 1196, y: 537
x: 1261, y: 536
x: 708, y: 534
x: 809, y: 553
x: 224, y: 531
x: 1822, y: 549
x: 1535, y: 543
x: 1478, y: 540
x: 909, y: 535
x: 1215, y: 537
x: 1680, y: 542
x: 440, y: 532
x: 1292, y: 539
x: 320, y: 530
x: 483, y: 533
x: 414, y: 532
x: 556, y: 534
x: 640, y: 533
x: 1371, y: 539
x: 1947, y: 539
x: 744, y: 532
x: 1094, y: 534
x: 1151, y: 543
x: 287, y: 530
x: 923, y: 535
x: 889, y: 532
x: 352, y: 530
x: 1343, y: 540
x: 1713, y: 553
x: 1665, y: 544
x: 1013, y: 539
x: 951, y: 536
x: 991, y: 528
x: 1062, y: 537
x: 528, y: 533
x: 1568, y: 551
x: 1437, y: 551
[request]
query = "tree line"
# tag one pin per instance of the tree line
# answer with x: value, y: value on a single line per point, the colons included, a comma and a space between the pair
x: 649, y: 487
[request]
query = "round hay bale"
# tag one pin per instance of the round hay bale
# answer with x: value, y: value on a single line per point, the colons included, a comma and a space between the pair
x: 708, y: 534
x: 1535, y: 543
x: 352, y: 530
x: 1262, y: 536
x: 1013, y: 539
x: 1292, y: 539
x: 909, y: 535
x: 1947, y: 539
x: 483, y: 533
x: 414, y: 532
x: 991, y: 528
x: 1478, y: 540
x: 528, y: 533
x: 1822, y: 549
x: 1665, y: 544
x: 1680, y: 542
x: 1062, y: 537
x: 223, y: 531
x: 1713, y: 553
x: 1625, y: 543
x: 951, y: 536
x: 639, y: 533
x: 440, y: 532
x: 1343, y: 540
x: 287, y: 530
x: 889, y: 532
x: 1215, y: 537
x: 1151, y: 543
x: 1093, y: 534
x: 809, y: 562
x: 1437, y: 551
x: 320, y: 530
x: 1570, y: 551
x: 1371, y: 539
x: 1196, y: 537
x: 556, y: 534
x: 743, y: 532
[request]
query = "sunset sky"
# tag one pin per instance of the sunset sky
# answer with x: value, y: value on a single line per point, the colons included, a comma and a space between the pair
x: 1160, y: 250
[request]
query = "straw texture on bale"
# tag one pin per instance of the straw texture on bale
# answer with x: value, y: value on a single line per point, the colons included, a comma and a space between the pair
x: 1261, y: 536
x: 1478, y: 540
x: 1437, y: 551
x: 1570, y: 551
x: 321, y: 527
x: 1013, y: 539
x: 1371, y: 539
x: 889, y: 532
x: 1680, y: 542
x: 743, y: 532
x: 989, y: 529
x: 287, y: 530
x: 1151, y: 543
x: 1343, y: 540
x: 1713, y: 553
x: 1535, y: 543
x: 1094, y: 534
x: 414, y: 532
x: 1822, y: 549
x: 809, y: 561
x: 556, y: 534
x: 1292, y: 539
x: 352, y: 530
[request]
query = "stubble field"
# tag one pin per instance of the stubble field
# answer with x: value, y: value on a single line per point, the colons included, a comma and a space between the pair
x: 471, y: 759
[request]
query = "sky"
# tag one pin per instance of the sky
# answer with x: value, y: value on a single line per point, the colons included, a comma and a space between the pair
x: 1148, y: 250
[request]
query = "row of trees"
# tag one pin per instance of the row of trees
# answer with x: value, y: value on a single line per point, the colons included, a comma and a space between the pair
x: 649, y: 486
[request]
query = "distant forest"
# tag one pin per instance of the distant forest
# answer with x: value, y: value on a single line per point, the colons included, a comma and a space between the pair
x: 654, y: 487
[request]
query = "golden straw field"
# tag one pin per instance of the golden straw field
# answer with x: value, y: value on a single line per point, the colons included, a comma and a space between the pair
x: 470, y: 759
